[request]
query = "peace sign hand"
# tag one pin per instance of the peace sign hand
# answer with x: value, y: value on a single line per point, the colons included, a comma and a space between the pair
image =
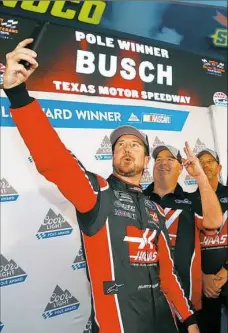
x: 191, y: 162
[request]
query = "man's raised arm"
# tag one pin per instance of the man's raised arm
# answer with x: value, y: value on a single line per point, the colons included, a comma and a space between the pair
x: 52, y: 158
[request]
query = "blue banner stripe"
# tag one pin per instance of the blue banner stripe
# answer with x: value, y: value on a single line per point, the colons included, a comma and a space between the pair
x: 64, y: 114
x: 54, y: 233
x: 12, y: 280
x: 60, y: 311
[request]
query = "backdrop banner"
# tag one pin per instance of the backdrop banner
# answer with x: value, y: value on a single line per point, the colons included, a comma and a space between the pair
x: 42, y: 267
x: 170, y: 21
x: 97, y: 64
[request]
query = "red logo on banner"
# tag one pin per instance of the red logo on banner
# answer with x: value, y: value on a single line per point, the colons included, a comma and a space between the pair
x: 142, y: 249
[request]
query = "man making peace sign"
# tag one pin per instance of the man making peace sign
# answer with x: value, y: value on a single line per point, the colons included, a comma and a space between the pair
x: 182, y: 222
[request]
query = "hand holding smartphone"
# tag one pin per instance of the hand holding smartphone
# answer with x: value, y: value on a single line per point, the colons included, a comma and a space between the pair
x: 37, y: 36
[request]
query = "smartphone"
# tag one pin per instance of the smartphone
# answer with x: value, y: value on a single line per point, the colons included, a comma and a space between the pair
x: 37, y: 35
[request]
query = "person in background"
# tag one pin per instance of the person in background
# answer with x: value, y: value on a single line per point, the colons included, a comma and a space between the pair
x: 182, y: 221
x: 126, y: 243
x: 214, y: 249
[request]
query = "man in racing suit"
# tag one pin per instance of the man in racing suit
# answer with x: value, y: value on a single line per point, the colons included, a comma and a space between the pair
x: 135, y: 274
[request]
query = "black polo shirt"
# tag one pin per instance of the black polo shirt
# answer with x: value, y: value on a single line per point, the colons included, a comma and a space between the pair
x: 215, y: 246
x: 184, y: 226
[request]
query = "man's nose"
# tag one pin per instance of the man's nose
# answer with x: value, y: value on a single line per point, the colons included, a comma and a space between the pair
x: 163, y: 161
x: 127, y: 147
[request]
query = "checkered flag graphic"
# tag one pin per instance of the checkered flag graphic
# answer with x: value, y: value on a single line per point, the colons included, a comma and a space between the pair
x: 10, y: 24
x: 41, y: 235
x: 46, y: 315
x: 98, y: 157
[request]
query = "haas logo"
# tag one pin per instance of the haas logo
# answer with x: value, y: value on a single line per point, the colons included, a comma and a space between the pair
x: 142, y: 249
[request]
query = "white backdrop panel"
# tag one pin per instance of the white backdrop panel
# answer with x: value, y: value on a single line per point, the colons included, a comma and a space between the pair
x: 219, y: 126
x: 47, y: 262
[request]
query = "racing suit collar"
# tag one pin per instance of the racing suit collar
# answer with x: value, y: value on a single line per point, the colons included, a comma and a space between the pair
x: 178, y: 192
x: 124, y: 185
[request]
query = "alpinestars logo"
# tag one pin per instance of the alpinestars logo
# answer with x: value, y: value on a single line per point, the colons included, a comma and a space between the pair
x: 88, y: 328
x: 10, y: 272
x: 147, y: 179
x: 189, y: 180
x: 1, y: 326
x: 8, y: 193
x: 60, y: 302
x: 142, y: 249
x: 105, y: 150
x: 79, y: 261
x: 54, y: 226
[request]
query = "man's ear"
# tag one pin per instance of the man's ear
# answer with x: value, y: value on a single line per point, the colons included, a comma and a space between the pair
x: 147, y: 161
x: 181, y: 168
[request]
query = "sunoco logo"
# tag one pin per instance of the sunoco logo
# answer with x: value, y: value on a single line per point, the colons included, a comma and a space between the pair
x: 79, y: 262
x: 61, y: 302
x: 105, y: 151
x: 88, y: 328
x: 189, y: 180
x: 10, y: 272
x: 147, y: 179
x: 8, y: 193
x: 1, y: 326
x: 54, y: 226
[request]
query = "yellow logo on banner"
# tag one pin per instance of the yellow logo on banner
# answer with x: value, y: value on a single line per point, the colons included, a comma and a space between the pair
x: 220, y: 38
x: 87, y: 11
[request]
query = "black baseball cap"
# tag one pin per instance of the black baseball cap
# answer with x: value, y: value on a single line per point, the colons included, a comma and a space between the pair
x: 129, y: 130
x: 174, y: 151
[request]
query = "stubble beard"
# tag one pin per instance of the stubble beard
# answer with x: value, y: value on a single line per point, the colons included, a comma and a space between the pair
x: 131, y: 172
